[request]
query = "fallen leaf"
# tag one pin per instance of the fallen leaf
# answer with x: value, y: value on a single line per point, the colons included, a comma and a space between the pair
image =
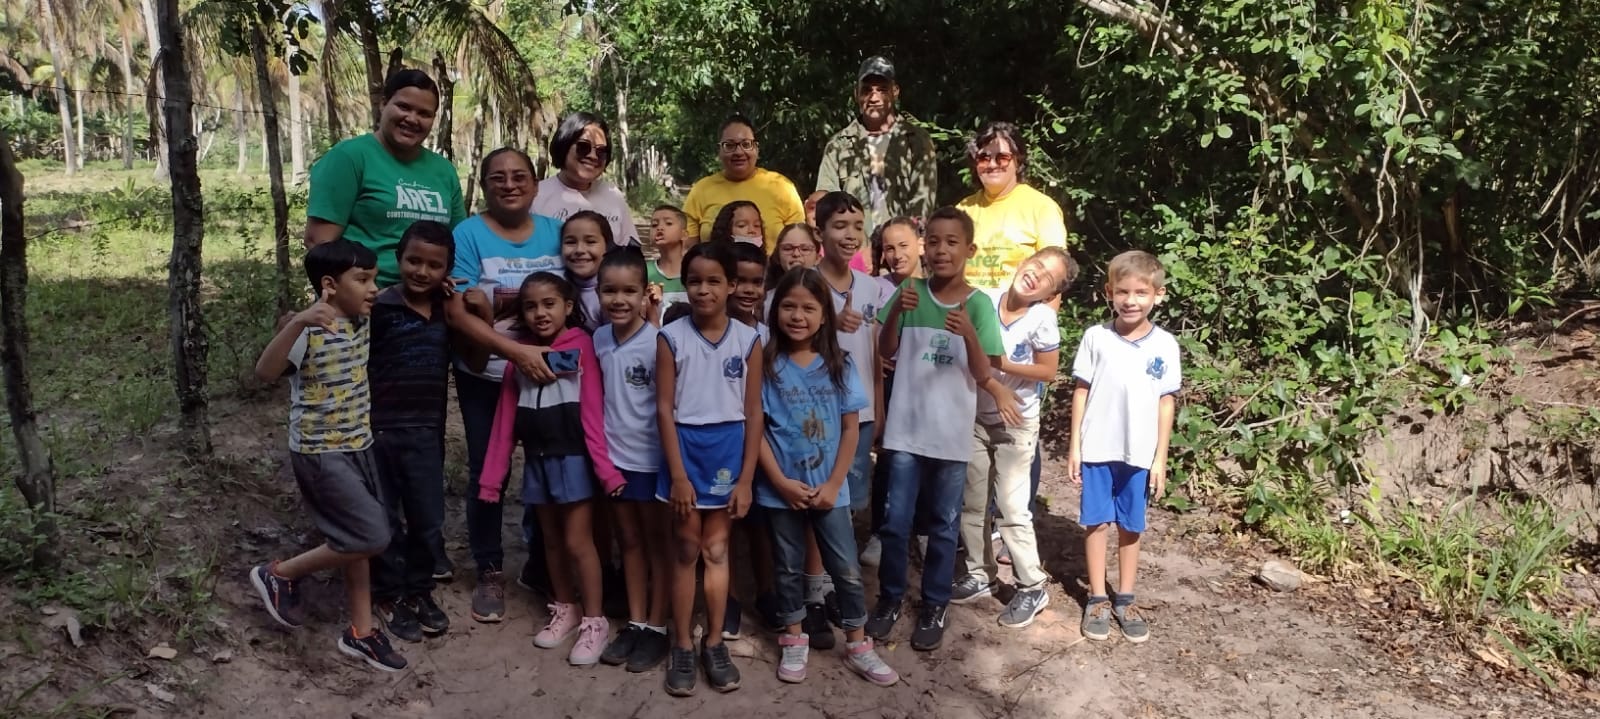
x: 162, y: 651
x: 1490, y: 656
x: 161, y: 694
x: 222, y: 657
x: 57, y: 618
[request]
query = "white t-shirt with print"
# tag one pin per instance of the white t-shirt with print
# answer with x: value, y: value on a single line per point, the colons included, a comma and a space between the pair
x: 557, y: 200
x: 1034, y: 333
x: 710, y: 378
x: 629, y: 369
x: 1127, y: 379
x: 866, y: 296
x: 935, y: 395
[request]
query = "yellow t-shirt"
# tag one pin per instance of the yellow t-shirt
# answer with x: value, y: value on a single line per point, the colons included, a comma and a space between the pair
x: 773, y: 194
x: 1008, y: 230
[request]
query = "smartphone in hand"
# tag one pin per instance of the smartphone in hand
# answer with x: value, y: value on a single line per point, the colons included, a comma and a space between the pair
x: 562, y: 361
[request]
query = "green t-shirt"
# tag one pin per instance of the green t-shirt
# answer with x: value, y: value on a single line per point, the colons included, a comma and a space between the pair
x: 359, y: 186
x: 672, y: 289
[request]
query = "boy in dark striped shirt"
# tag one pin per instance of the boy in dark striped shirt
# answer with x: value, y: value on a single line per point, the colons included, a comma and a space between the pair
x: 409, y: 371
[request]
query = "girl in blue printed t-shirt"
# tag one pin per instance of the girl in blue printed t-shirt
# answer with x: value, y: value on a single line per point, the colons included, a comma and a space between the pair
x: 811, y: 395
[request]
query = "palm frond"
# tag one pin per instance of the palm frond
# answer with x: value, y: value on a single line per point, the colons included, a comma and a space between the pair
x: 451, y: 25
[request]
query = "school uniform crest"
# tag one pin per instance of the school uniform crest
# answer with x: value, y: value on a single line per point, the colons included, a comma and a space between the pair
x: 637, y: 376
x: 939, y: 341
x: 1157, y: 368
x: 1020, y: 352
x: 733, y: 368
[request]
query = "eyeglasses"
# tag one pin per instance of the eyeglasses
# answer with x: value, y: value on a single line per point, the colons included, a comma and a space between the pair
x: 1000, y: 159
x: 500, y: 178
x: 586, y: 149
x: 730, y: 145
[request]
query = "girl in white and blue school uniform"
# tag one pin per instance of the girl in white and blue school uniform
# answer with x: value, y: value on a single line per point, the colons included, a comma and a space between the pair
x: 811, y: 395
x: 708, y: 409
x: 561, y: 427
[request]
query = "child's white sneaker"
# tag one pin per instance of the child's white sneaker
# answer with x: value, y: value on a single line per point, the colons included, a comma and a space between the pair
x: 872, y: 554
x: 796, y: 651
x: 863, y: 659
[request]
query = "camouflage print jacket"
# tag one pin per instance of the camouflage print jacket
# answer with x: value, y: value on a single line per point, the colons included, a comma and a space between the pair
x: 892, y: 174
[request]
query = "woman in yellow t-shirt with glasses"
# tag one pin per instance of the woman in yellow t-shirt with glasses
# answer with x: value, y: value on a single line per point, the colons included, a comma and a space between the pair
x: 740, y: 179
x: 1012, y: 220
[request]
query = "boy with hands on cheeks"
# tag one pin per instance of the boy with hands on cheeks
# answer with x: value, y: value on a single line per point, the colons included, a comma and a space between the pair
x: 1128, y: 374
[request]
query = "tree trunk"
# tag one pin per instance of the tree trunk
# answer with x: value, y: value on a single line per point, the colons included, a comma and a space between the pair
x: 476, y: 158
x: 47, y: 22
x: 36, y: 481
x: 297, y: 135
x: 240, y: 129
x: 367, y: 25
x: 125, y: 64
x: 78, y: 112
x: 447, y: 113
x: 494, y: 118
x: 157, y: 82
x: 188, y: 232
x: 330, y: 90
x: 621, y: 168
x: 280, y: 203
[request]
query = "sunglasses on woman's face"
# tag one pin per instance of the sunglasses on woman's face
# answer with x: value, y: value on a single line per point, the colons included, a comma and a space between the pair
x: 588, y: 149
x: 998, y: 159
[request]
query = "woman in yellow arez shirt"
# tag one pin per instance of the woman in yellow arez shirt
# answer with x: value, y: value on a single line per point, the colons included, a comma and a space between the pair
x: 1012, y: 220
x: 740, y: 179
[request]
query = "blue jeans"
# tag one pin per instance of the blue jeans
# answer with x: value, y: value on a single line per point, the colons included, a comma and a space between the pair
x: 939, y: 485
x: 477, y: 397
x: 860, y: 476
x: 837, y: 541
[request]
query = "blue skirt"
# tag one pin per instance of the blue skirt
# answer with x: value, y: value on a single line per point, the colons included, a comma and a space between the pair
x: 712, y: 455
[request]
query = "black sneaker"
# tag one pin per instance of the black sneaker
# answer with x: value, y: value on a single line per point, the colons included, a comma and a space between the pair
x: 373, y: 649
x: 618, y: 651
x: 816, y: 625
x: 444, y: 574
x: 489, y: 597
x: 835, y: 616
x: 680, y: 672
x: 1024, y: 606
x: 430, y: 617
x: 883, y: 619
x: 279, y: 596
x: 731, y: 619
x: 929, y: 633
x: 971, y: 588
x: 400, y: 620
x: 649, y: 651
x: 771, y: 618
x: 721, y: 674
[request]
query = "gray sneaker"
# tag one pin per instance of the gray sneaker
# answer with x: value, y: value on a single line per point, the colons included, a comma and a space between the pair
x: 970, y: 589
x: 1023, y: 607
x: 1132, y: 622
x: 1097, y: 619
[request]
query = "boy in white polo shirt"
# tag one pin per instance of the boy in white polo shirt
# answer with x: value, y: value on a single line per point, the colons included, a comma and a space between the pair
x: 1128, y: 376
x: 945, y: 338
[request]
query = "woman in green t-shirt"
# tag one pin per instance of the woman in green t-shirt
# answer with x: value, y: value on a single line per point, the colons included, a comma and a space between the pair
x: 369, y: 189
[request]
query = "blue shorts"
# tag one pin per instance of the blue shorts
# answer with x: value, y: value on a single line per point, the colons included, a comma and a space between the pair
x: 557, y: 480
x: 1113, y: 492
x: 712, y: 456
x: 859, y: 481
x: 638, y: 486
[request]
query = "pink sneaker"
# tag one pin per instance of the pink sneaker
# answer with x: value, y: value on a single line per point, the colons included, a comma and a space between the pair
x: 592, y: 635
x: 796, y: 650
x: 563, y: 622
x: 864, y: 660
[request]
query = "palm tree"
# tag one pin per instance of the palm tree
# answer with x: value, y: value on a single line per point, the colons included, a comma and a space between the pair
x: 52, y: 13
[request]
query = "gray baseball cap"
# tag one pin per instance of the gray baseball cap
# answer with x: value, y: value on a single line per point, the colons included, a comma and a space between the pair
x: 876, y: 65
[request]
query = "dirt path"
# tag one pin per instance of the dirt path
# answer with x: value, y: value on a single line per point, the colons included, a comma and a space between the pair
x: 1222, y: 647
